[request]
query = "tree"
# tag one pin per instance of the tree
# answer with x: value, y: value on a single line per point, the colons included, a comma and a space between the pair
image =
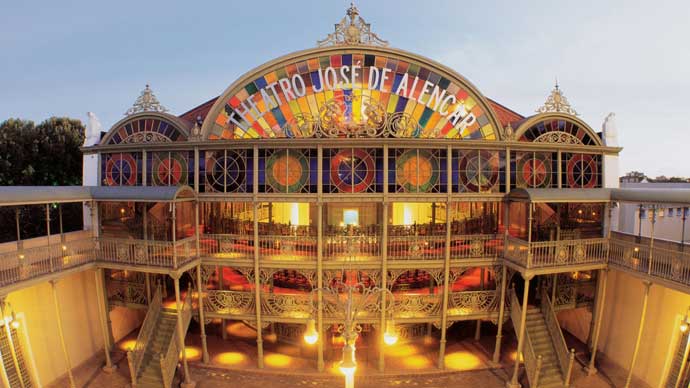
x: 46, y: 154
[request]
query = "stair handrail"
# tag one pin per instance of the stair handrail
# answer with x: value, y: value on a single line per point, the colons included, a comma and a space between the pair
x: 537, y: 372
x: 562, y: 353
x: 169, y: 359
x: 135, y: 355
x: 528, y: 354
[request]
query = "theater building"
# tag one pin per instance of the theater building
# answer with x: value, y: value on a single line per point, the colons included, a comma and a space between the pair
x: 363, y: 198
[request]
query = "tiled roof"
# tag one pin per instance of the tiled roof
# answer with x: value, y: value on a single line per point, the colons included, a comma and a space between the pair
x: 201, y: 110
x: 504, y: 114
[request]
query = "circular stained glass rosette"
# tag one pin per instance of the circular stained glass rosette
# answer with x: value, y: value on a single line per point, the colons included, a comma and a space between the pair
x: 533, y: 171
x: 170, y: 170
x: 352, y: 170
x: 417, y: 171
x: 582, y: 171
x: 226, y: 172
x: 121, y: 169
x: 287, y: 171
x: 477, y: 172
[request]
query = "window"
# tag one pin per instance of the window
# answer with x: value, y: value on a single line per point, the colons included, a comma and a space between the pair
x: 351, y: 217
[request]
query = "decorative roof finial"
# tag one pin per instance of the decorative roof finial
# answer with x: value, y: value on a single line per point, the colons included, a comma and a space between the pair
x: 146, y: 102
x: 353, y: 31
x: 556, y: 102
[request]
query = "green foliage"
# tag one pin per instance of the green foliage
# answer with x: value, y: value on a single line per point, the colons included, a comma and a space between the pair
x: 46, y: 154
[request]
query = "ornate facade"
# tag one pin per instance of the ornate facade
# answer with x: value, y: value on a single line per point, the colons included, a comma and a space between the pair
x: 352, y: 165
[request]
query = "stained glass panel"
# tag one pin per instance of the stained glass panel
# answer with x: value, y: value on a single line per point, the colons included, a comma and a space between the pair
x: 534, y: 169
x: 353, y: 170
x: 353, y: 95
x: 478, y: 171
x: 146, y: 130
x: 581, y: 170
x: 121, y: 169
x: 170, y: 168
x: 227, y: 171
x: 287, y: 171
x: 418, y: 170
x: 558, y: 131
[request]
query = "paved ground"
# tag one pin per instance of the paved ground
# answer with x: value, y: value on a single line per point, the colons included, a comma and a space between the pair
x: 90, y: 375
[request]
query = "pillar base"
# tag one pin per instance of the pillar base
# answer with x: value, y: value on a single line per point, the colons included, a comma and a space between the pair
x: 509, y: 384
x: 190, y: 384
x: 494, y: 365
x: 109, y: 369
x: 590, y: 371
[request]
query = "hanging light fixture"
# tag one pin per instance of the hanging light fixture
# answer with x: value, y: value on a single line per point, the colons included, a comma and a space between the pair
x: 311, y: 336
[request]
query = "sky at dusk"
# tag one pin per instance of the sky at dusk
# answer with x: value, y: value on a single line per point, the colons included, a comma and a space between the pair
x: 66, y: 58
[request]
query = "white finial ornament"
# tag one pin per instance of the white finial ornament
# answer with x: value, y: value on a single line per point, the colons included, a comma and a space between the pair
x: 146, y: 102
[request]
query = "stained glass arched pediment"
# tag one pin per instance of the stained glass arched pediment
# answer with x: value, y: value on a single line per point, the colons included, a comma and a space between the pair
x: 147, y: 127
x: 351, y: 91
x: 557, y: 128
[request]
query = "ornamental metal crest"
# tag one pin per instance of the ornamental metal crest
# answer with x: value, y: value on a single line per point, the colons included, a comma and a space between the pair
x: 335, y: 119
x: 556, y: 102
x: 146, y: 102
x: 352, y: 31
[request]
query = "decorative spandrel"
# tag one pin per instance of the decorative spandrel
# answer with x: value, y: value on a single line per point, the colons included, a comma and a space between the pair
x: 146, y: 102
x: 351, y: 30
x: 557, y: 102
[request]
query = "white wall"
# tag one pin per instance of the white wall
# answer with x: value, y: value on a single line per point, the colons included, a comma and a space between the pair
x: 621, y: 318
x: 80, y: 321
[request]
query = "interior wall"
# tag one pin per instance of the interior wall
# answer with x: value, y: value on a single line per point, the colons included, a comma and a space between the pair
x: 82, y: 331
x: 621, y: 319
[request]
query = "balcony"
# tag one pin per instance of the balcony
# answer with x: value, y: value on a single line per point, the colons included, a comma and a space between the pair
x: 544, y: 255
x: 165, y: 255
x: 659, y: 260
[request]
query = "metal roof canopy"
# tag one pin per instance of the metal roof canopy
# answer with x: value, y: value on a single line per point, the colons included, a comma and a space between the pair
x: 660, y: 195
x: 35, y: 195
x: 559, y: 195
x: 143, y: 193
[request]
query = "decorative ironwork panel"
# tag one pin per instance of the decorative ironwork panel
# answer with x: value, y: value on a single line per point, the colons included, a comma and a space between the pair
x: 121, y: 169
x: 473, y: 302
x: 477, y: 171
x: 353, y: 170
x: 227, y: 171
x: 287, y: 171
x: 581, y: 170
x: 170, y: 168
x: 416, y: 306
x: 534, y: 170
x: 417, y: 171
x: 229, y: 302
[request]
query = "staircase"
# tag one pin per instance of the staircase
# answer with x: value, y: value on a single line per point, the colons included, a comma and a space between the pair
x: 150, y: 374
x: 548, y: 363
x: 154, y: 358
x: 550, y: 375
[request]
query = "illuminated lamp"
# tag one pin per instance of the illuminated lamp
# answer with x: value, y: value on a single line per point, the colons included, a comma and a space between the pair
x: 15, y: 322
x: 311, y: 335
x: 390, y: 336
x: 684, y: 326
x: 348, y: 365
